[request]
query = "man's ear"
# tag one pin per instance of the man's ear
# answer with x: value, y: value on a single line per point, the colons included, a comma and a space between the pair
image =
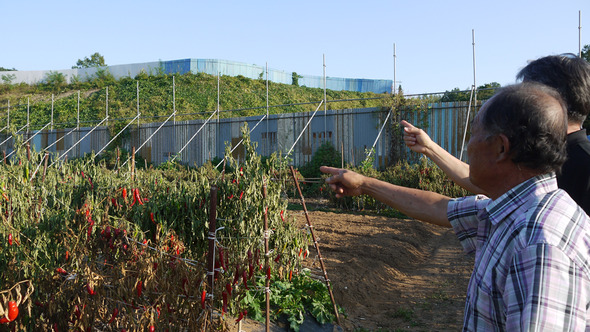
x: 502, y: 147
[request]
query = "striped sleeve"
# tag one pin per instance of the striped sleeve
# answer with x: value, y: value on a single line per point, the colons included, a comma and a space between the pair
x: 462, y: 214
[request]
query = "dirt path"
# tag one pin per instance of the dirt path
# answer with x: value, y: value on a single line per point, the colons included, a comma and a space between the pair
x: 388, y: 274
x: 392, y: 274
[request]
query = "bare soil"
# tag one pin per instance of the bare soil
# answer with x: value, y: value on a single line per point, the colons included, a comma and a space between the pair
x: 389, y: 274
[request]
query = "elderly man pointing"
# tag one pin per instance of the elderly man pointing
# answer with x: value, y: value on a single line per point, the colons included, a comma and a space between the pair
x: 531, y: 240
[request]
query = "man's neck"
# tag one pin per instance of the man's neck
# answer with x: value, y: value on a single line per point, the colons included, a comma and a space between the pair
x: 573, y: 127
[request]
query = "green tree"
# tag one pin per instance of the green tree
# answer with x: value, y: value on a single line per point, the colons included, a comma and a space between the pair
x: 586, y: 53
x: 455, y: 95
x: 487, y: 90
x: 7, y: 69
x: 295, y: 79
x: 96, y: 60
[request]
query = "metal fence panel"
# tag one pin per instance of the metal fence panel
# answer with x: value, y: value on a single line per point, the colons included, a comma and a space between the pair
x: 351, y: 131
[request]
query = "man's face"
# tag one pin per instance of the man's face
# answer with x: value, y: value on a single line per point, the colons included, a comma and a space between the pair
x: 480, y: 153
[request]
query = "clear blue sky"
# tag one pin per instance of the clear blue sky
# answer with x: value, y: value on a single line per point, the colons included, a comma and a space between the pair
x: 433, y: 38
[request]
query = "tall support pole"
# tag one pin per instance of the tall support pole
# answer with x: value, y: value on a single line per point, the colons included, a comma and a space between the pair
x: 267, y: 146
x: 266, y: 257
x: 78, y: 113
x: 218, y: 135
x: 174, y: 100
x: 212, y: 239
x: 316, y: 245
x: 394, y: 70
x: 8, y: 118
x: 474, y: 81
x: 107, y: 105
x: 580, y: 33
x: 137, y: 98
x: 52, y: 100
x: 28, y: 111
x: 325, y: 101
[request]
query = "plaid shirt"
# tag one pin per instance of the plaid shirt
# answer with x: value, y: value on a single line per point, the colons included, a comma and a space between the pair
x: 532, y: 259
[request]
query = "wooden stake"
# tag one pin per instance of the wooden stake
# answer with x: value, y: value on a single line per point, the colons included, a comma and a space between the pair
x: 315, y: 243
x: 266, y: 258
x: 133, y: 164
x: 211, y: 237
x: 45, y: 166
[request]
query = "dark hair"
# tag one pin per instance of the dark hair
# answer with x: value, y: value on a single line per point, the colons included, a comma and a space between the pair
x: 533, y: 117
x: 569, y: 75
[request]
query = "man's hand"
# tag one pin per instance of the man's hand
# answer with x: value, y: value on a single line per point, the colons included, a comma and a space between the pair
x: 416, y: 139
x: 344, y: 182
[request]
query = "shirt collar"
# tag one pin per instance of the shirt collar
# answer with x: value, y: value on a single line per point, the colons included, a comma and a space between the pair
x: 514, y: 198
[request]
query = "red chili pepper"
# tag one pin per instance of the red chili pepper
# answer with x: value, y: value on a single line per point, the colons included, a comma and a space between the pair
x: 134, y: 199
x: 61, y: 271
x: 245, y: 279
x: 290, y: 275
x: 12, y: 310
x: 12, y: 313
x: 240, y: 318
x: 237, y: 274
x: 90, y: 290
x: 124, y: 193
x: 257, y: 257
x: 114, y: 202
x: 230, y: 196
x: 77, y: 312
x: 224, y: 308
x: 250, y: 271
x: 249, y: 256
x: 139, y: 288
x: 268, y: 273
x: 10, y: 239
x: 203, y: 298
x: 305, y: 253
x: 67, y: 255
x: 138, y: 196
x: 228, y: 288
x: 277, y: 258
x: 221, y: 261
x: 300, y: 250
x: 282, y: 218
x: 151, y: 329
x: 115, y: 313
x: 241, y: 194
x: 152, y: 217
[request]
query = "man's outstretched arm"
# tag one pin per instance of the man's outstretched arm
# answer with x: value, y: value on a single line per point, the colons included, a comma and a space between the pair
x: 418, y: 141
x: 419, y: 204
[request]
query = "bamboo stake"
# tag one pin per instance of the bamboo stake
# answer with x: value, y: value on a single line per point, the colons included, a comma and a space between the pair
x: 211, y: 237
x: 315, y: 244
x: 266, y: 258
x: 45, y: 166
x: 133, y: 163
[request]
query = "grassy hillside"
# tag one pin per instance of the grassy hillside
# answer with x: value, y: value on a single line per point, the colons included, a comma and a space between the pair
x: 196, y: 97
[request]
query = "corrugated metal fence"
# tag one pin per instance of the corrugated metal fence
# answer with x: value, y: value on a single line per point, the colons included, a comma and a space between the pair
x: 351, y: 131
